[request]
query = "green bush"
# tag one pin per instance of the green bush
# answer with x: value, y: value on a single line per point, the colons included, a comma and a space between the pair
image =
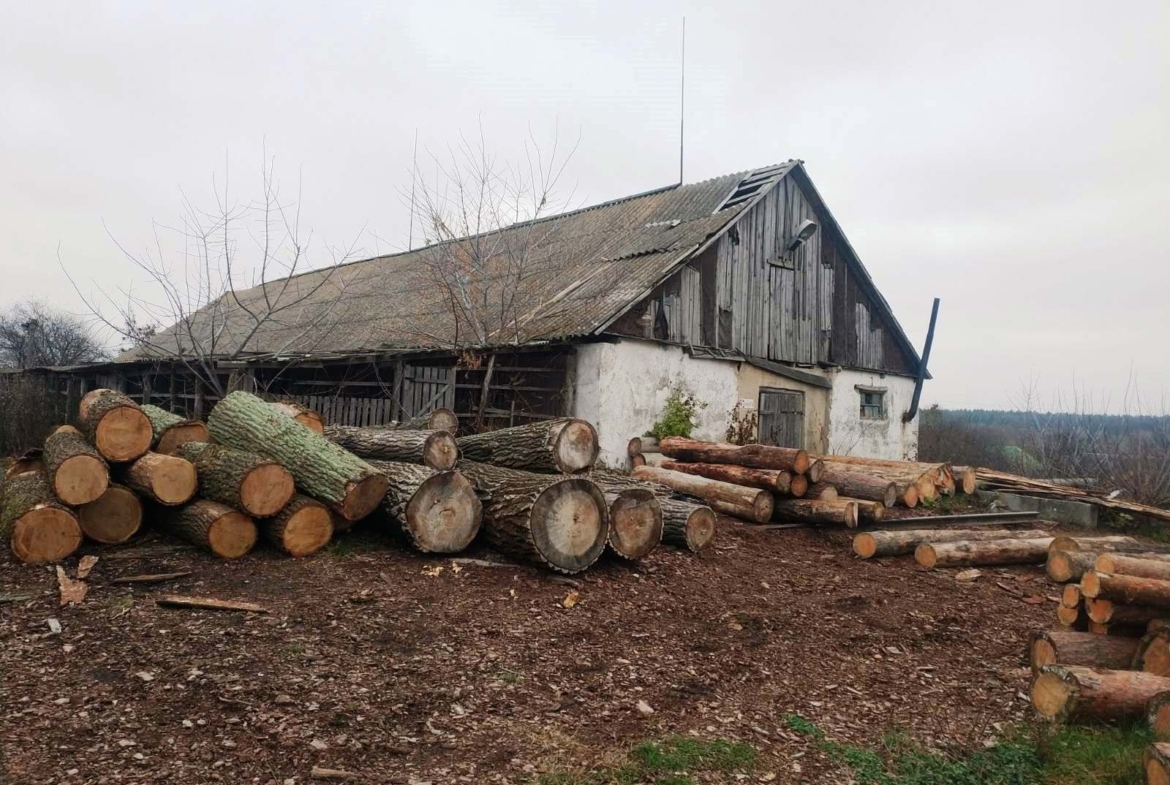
x: 679, y: 414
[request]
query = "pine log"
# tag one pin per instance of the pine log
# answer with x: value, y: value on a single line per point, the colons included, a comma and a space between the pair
x: 40, y: 527
x: 165, y: 479
x: 114, y: 517
x: 1064, y: 647
x: 868, y: 545
x: 436, y: 449
x: 251, y: 483
x: 1065, y: 566
x: 321, y: 469
x: 302, y: 414
x: 856, y: 485
x: 437, y: 420
x: 687, y: 525
x: 635, y: 522
x: 564, y: 445
x: 1070, y: 595
x: 1136, y: 566
x: 756, y: 456
x: 840, y: 512
x: 76, y: 471
x: 1105, y: 611
x: 1110, y: 543
x: 798, y: 487
x: 29, y: 461
x: 970, y: 554
x: 867, y: 511
x: 1073, y: 618
x: 554, y: 520
x: 1153, y: 653
x: 1076, y: 693
x: 434, y: 511
x: 773, y: 480
x: 226, y: 532
x: 641, y: 444
x: 751, y: 504
x: 115, y: 425
x: 822, y: 491
x: 1126, y: 589
x: 301, y: 528
x: 171, y: 430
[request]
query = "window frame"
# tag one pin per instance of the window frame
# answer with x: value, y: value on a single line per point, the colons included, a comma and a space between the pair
x: 882, y: 409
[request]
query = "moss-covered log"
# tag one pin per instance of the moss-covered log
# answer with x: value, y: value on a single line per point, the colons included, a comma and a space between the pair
x: 321, y: 468
x: 226, y: 532
x: 171, y: 430
x: 302, y: 414
x: 40, y: 527
x: 635, y: 522
x: 113, y: 517
x: 436, y: 449
x: 303, y: 527
x: 76, y: 471
x: 434, y: 511
x: 115, y: 425
x: 165, y: 479
x: 565, y: 445
x: 251, y: 483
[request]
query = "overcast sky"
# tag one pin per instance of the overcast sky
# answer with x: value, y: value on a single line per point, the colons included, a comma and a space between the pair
x: 1011, y: 158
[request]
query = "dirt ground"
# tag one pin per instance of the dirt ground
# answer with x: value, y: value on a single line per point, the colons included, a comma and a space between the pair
x: 408, y: 669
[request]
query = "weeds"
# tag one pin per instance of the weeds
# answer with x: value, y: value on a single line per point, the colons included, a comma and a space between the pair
x: 671, y: 761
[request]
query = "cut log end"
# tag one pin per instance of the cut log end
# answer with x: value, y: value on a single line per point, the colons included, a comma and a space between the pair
x: 80, y: 479
x: 443, y: 420
x: 232, y: 535
x: 1068, y: 616
x: 178, y: 435
x: 700, y: 529
x: 1090, y: 584
x: 635, y: 523
x: 45, y: 534
x: 576, y: 446
x: 570, y: 524
x: 306, y: 531
x: 799, y: 486
x: 363, y: 497
x: 1053, y: 692
x: 1153, y: 654
x: 113, y: 518
x: 812, y: 469
x: 926, y: 556
x: 1043, y: 652
x: 440, y: 451
x: 266, y: 489
x: 864, y: 545
x: 444, y: 515
x: 311, y: 420
x: 123, y: 434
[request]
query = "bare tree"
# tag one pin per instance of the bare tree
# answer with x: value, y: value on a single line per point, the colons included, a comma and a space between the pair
x: 228, y: 283
x: 33, y: 334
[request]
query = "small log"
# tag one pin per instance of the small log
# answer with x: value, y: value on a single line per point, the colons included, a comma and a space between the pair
x: 302, y: 414
x: 435, y: 512
x: 170, y: 430
x: 798, y: 488
x: 773, y: 480
x: 756, y: 456
x: 822, y: 491
x: 227, y: 533
x: 40, y: 528
x: 856, y: 485
x: 1065, y: 693
x: 436, y: 449
x: 1108, y: 612
x: 635, y: 522
x: 816, y: 470
x: 1110, y: 543
x: 867, y: 511
x: 686, y: 525
x: 1070, y: 595
x: 1126, y: 589
x: 1065, y: 566
x: 641, y: 444
x: 1135, y: 566
x: 564, y: 445
x: 840, y: 512
x: 208, y: 604
x: 973, y: 554
x: 115, y: 425
x: 113, y: 518
x: 1064, y: 647
x: 76, y: 471
x: 751, y: 504
x: 868, y: 545
x: 1153, y: 653
x: 251, y: 483
x: 301, y: 528
x: 165, y: 479
x: 158, y: 577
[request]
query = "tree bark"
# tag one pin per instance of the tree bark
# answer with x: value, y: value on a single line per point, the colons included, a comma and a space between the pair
x: 564, y: 445
x: 251, y: 483
x: 227, y: 533
x: 304, y: 415
x: 1063, y: 647
x: 756, y: 456
x: 774, y: 480
x: 434, y: 511
x: 1153, y: 653
x: 1126, y: 589
x: 1135, y: 566
x: 1105, y: 611
x: 1101, y: 544
x: 857, y: 485
x: 822, y: 491
x: 114, y: 517
x: 41, y: 528
x: 165, y: 479
x: 171, y: 430
x: 840, y: 512
x: 868, y: 545
x: 321, y: 469
x: 751, y: 504
x: 968, y: 553
x: 1075, y: 693
x: 635, y: 522
x: 1065, y: 566
x: 436, y: 449
x: 558, y: 521
x: 687, y: 525
x: 76, y: 471
x: 303, y: 527
x: 642, y: 444
x: 115, y: 425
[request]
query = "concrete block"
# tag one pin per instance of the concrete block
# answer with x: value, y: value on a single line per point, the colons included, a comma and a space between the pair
x: 1070, y: 513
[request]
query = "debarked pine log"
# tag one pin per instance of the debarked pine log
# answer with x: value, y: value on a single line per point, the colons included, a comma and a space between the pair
x: 564, y: 445
x: 226, y: 532
x: 1065, y: 566
x: 40, y: 527
x: 970, y: 554
x: 1065, y: 647
x: 635, y: 522
x: 321, y: 468
x: 436, y: 449
x: 756, y: 456
x: 1104, y: 611
x: 435, y: 511
x: 115, y: 425
x: 1137, y: 566
x: 775, y: 480
x: 1119, y: 543
x: 76, y: 472
x: 251, y: 483
x: 112, y: 518
x: 165, y: 479
x: 1076, y: 693
x: 555, y: 520
x: 171, y: 430
x: 868, y: 545
x: 301, y: 528
x: 840, y: 512
x: 302, y: 414
x: 1126, y: 589
x: 750, y: 504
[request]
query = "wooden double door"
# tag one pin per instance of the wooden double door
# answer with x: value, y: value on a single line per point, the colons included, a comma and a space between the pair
x: 781, y: 417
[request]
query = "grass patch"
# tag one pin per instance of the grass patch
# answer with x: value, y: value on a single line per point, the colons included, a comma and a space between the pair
x: 1094, y: 755
x: 671, y: 761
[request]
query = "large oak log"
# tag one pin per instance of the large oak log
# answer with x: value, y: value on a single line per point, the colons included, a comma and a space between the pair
x: 1153, y: 653
x: 1105, y: 611
x: 321, y: 469
x: 840, y: 512
x: 855, y: 485
x: 436, y: 449
x: 434, y: 511
x: 777, y: 481
x: 895, y: 543
x: 555, y: 520
x: 437, y: 420
x: 302, y: 414
x: 251, y: 483
x: 1137, y: 566
x: 969, y: 554
x: 635, y: 522
x: 1156, y: 758
x: 757, y: 456
x: 1065, y: 566
x: 564, y: 445
x: 1065, y: 647
x: 115, y: 425
x: 687, y: 525
x: 303, y: 527
x: 112, y: 518
x: 165, y: 479
x: 751, y: 504
x: 1076, y: 693
x: 1121, y: 543
x: 76, y: 471
x: 226, y: 532
x: 1126, y: 589
x: 40, y: 527
x: 171, y: 430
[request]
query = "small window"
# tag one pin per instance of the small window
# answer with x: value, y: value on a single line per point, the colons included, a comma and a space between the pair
x: 873, y: 404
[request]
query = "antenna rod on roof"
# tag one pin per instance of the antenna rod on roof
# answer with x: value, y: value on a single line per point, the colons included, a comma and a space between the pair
x: 682, y: 99
x: 413, y: 180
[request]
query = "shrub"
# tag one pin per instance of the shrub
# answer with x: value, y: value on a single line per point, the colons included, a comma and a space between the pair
x: 679, y: 414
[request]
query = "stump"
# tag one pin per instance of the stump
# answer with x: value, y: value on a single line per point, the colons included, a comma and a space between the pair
x: 164, y: 479
x: 250, y: 483
x: 564, y: 445
x: 76, y: 471
x: 303, y: 527
x: 1072, y: 693
x: 434, y: 511
x: 436, y: 449
x: 170, y: 430
x: 635, y: 523
x: 1061, y: 647
x: 114, y: 517
x: 41, y: 529
x: 115, y: 425
x: 227, y: 533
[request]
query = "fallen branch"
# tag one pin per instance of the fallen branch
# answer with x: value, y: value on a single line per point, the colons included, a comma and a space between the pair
x: 159, y: 577
x: 208, y: 604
